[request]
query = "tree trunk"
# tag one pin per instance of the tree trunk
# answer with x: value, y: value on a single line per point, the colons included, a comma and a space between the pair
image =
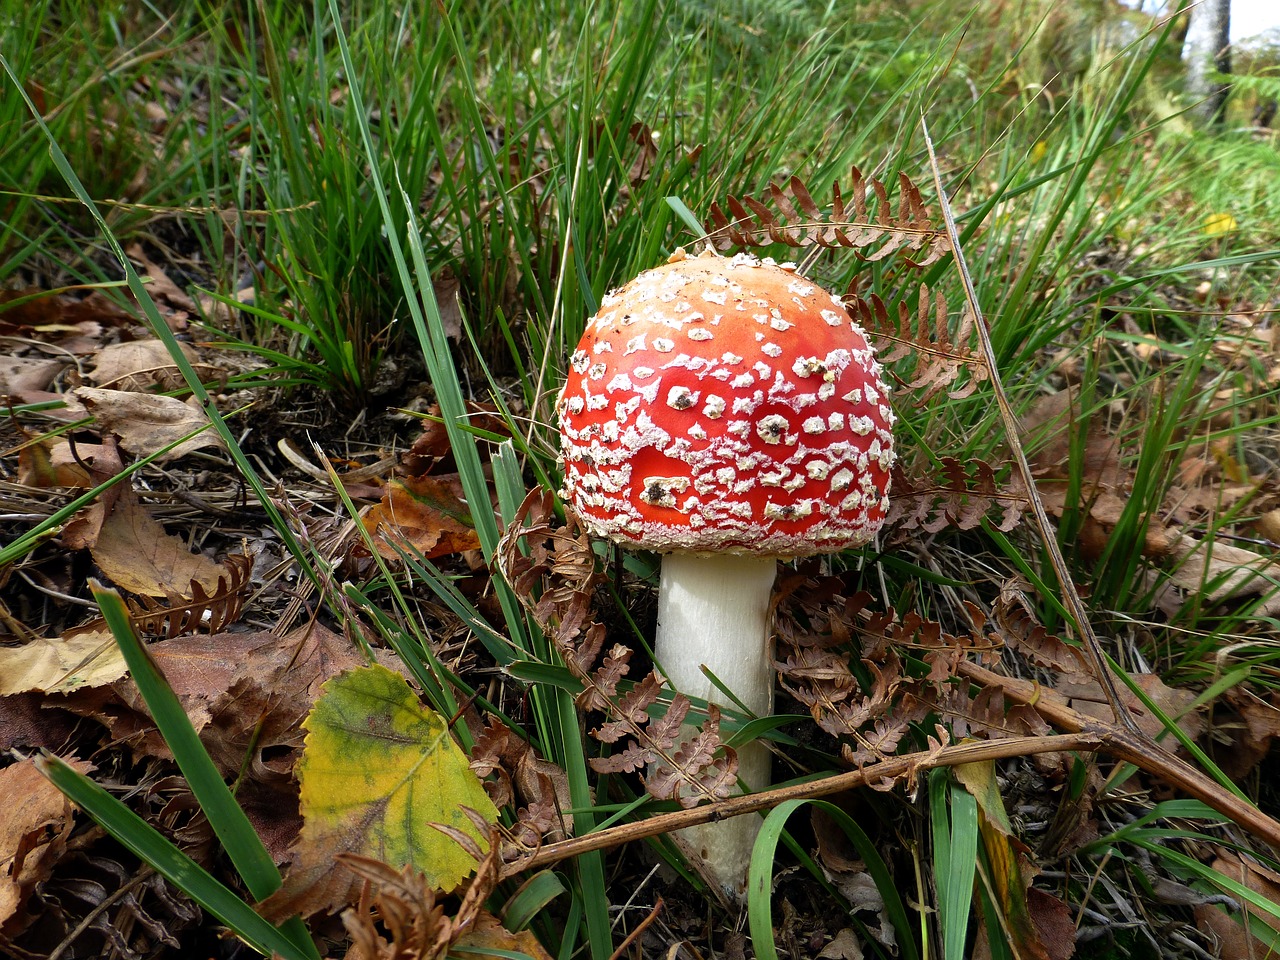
x: 1207, y: 50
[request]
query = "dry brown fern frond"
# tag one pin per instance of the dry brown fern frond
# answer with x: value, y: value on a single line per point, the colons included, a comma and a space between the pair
x: 401, y: 916
x: 856, y: 221
x: 923, y: 336
x: 961, y: 494
x: 553, y: 569
x: 212, y: 612
x: 843, y: 660
x: 177, y: 616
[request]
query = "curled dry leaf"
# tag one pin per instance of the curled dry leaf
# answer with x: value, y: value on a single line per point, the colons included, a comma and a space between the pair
x: 1245, y: 727
x: 1020, y: 631
x: 146, y: 423
x: 843, y: 946
x: 427, y: 515
x: 542, y: 786
x: 133, y: 550
x: 397, y: 914
x: 61, y: 664
x: 102, y: 463
x: 489, y: 938
x: 27, y: 379
x: 203, y: 611
x: 139, y: 365
x: 432, y: 453
x: 33, y: 838
x: 53, y: 462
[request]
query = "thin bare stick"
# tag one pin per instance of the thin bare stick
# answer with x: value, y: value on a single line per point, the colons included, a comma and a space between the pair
x: 1140, y: 750
x: 1075, y: 606
x: 635, y: 934
x: 890, y: 768
x: 1086, y: 734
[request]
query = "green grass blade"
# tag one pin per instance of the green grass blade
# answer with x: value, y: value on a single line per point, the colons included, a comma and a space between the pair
x: 534, y: 895
x: 760, y: 877
x: 238, y: 838
x: 171, y: 863
x: 1203, y: 872
x: 955, y: 852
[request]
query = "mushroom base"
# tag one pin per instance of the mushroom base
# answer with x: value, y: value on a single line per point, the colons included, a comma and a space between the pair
x: 714, y: 611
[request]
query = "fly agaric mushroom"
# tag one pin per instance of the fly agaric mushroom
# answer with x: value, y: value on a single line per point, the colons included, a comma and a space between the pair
x: 727, y: 413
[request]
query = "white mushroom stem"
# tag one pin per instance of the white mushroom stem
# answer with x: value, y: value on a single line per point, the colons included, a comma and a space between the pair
x: 713, y: 611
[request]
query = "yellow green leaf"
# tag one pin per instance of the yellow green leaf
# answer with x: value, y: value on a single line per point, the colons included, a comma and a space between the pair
x: 377, y: 771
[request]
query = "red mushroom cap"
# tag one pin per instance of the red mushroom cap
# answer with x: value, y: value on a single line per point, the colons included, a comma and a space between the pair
x: 726, y: 405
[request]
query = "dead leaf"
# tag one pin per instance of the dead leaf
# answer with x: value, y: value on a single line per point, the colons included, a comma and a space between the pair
x: 136, y: 554
x: 446, y: 286
x: 1268, y: 525
x: 399, y: 915
x: 245, y: 693
x: 103, y: 463
x: 1050, y: 426
x: 52, y: 462
x: 1213, y: 570
x: 162, y: 290
x: 504, y: 760
x: 146, y: 423
x: 426, y: 514
x: 848, y: 874
x: 1173, y: 702
x: 1235, y: 941
x: 487, y: 937
x: 73, y: 325
x: 1053, y: 923
x: 31, y: 721
x: 843, y: 946
x: 1218, y: 571
x: 1243, y: 740
x: 431, y: 451
x: 33, y: 837
x: 223, y: 314
x: 23, y: 376
x: 139, y: 365
x: 61, y: 664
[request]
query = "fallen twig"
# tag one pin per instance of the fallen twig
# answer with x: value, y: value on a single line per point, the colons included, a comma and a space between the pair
x: 890, y: 768
x: 1140, y: 750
